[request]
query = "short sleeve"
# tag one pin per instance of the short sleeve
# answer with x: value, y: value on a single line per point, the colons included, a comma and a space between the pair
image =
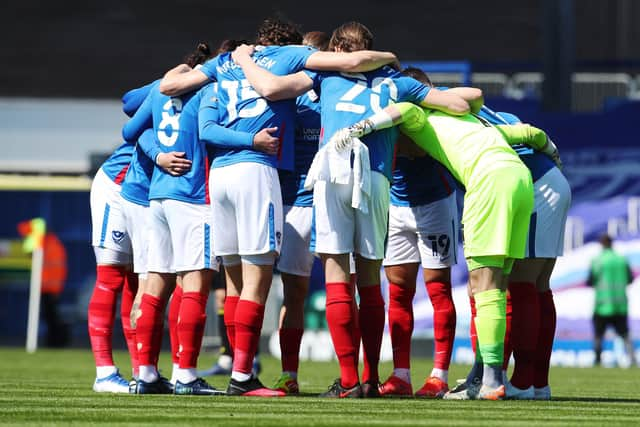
x: 210, y: 69
x: 316, y: 77
x: 297, y: 56
x: 411, y: 89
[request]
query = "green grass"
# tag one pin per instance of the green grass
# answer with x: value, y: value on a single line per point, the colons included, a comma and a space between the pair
x: 54, y: 387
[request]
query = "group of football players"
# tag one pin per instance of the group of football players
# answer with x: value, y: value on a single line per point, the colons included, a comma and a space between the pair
x: 262, y: 156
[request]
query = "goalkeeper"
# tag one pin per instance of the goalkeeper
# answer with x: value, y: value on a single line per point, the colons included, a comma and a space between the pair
x: 497, y: 206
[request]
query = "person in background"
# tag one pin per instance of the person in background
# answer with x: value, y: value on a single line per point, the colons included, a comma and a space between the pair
x: 54, y: 274
x: 609, y: 276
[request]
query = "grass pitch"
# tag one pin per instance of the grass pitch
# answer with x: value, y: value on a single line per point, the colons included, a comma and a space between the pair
x: 54, y: 387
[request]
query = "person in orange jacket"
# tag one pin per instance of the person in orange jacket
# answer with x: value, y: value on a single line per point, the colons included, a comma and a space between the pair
x: 54, y: 275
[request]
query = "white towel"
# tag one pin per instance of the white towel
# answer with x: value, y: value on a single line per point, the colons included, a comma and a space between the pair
x: 334, y: 166
x: 361, y: 177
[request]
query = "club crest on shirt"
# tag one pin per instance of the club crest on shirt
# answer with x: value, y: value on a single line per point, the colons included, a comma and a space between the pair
x: 278, y: 237
x: 117, y: 236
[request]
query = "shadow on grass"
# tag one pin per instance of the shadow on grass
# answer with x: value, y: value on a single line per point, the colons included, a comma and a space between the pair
x: 393, y: 398
x: 595, y: 399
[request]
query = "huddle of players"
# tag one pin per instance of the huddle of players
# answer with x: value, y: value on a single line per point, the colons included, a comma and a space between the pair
x: 227, y: 114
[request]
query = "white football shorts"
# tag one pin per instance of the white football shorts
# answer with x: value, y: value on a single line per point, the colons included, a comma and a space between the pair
x: 551, y: 204
x: 247, y: 209
x: 341, y: 229
x: 180, y: 237
x: 108, y: 223
x: 424, y: 234
x: 137, y: 219
x: 295, y: 256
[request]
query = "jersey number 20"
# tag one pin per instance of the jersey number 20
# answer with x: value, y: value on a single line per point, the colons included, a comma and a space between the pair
x: 346, y: 101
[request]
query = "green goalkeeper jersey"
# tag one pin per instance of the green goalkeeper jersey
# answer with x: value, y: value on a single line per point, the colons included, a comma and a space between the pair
x: 467, y: 146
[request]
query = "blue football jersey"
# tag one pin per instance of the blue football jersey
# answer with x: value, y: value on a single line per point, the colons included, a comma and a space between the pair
x: 347, y: 98
x: 133, y: 99
x: 419, y: 181
x: 175, y: 126
x: 241, y: 108
x: 537, y: 162
x: 307, y: 138
x: 211, y: 131
x: 135, y: 187
x: 117, y: 163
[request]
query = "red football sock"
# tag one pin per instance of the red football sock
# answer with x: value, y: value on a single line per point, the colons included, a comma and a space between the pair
x: 340, y: 316
x: 525, y: 324
x: 149, y: 323
x: 102, y: 310
x: 473, y: 334
x: 444, y: 323
x: 172, y: 318
x: 355, y: 328
x: 290, y: 339
x: 158, y: 333
x: 128, y: 294
x: 545, y: 338
x: 230, y: 304
x: 508, y: 347
x: 248, y: 322
x: 190, y: 327
x: 401, y: 324
x: 371, y: 316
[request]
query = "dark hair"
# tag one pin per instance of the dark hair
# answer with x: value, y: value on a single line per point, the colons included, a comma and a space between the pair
x: 606, y: 241
x: 229, y: 44
x: 198, y: 56
x: 317, y: 39
x: 278, y: 32
x: 350, y: 37
x: 418, y: 74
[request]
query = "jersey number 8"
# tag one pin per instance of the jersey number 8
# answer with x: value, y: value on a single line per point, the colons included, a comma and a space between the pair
x: 170, y: 123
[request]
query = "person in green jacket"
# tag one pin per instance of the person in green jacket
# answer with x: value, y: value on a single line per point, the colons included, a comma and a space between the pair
x: 610, y: 275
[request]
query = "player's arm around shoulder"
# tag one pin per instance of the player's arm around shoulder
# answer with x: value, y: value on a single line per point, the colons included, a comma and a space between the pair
x: 268, y: 85
x: 182, y: 79
x: 446, y: 101
x: 355, y: 62
x: 472, y: 95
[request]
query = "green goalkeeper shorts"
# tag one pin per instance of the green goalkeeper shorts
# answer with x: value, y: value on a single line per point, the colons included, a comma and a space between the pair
x: 497, y: 211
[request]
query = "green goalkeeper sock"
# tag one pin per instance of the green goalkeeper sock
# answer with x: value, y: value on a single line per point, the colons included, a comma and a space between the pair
x: 491, y: 324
